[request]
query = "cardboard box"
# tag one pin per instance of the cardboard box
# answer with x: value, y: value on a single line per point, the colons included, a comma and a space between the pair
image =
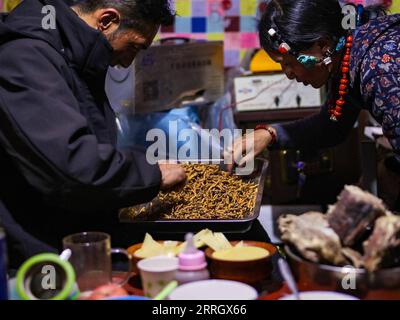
x: 171, y: 76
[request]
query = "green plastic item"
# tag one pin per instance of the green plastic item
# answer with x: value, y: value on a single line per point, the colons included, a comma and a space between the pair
x: 23, y: 274
x: 167, y: 290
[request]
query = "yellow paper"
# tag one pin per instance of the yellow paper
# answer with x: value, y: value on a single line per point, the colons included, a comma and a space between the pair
x: 150, y: 248
x: 198, y: 240
x: 262, y: 62
x: 223, y: 240
x: 217, y: 242
x: 170, y: 248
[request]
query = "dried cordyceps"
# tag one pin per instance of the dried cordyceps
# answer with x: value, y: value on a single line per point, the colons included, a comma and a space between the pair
x: 209, y: 193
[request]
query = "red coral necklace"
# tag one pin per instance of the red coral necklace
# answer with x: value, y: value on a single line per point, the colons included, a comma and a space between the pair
x: 337, y: 110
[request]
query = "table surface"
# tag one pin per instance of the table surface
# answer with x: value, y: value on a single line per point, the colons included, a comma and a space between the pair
x: 265, y: 230
x: 272, y: 289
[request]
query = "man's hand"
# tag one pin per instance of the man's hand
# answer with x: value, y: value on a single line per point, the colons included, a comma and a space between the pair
x: 172, y: 174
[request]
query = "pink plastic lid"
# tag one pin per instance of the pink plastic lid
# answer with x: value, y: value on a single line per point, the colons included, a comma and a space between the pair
x: 192, y: 261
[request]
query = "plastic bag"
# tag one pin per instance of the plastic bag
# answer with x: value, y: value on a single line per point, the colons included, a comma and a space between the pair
x: 173, y: 131
x: 186, y: 134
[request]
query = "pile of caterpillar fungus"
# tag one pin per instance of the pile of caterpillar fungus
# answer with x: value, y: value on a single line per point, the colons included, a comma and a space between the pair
x: 209, y: 193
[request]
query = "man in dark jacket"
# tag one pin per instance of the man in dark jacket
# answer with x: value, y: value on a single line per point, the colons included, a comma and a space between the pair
x: 60, y: 170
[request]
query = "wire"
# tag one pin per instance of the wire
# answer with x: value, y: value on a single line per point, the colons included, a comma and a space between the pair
x: 231, y: 106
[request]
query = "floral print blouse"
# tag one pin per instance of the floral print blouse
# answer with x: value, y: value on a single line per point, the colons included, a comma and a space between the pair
x: 379, y: 44
x: 375, y: 86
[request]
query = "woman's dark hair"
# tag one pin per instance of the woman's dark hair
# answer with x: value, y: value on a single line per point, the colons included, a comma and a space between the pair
x: 135, y: 13
x: 301, y: 23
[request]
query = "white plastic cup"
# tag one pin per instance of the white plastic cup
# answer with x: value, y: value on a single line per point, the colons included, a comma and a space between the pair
x: 156, y: 273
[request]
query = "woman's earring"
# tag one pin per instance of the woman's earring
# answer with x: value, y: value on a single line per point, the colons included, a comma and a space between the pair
x: 328, y: 57
x: 307, y: 61
x: 327, y: 61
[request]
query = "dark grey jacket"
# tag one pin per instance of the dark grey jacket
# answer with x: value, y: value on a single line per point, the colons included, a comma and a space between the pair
x: 60, y: 170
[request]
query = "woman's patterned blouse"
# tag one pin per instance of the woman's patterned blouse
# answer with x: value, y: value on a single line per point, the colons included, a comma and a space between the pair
x: 375, y: 86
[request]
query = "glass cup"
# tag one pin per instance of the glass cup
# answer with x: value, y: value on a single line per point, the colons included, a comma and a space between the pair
x: 91, y: 258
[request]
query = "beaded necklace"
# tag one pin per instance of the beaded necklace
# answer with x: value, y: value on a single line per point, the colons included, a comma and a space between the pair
x: 337, y: 111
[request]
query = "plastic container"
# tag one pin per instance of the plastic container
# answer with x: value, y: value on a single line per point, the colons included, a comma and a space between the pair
x: 192, y: 264
x: 214, y: 290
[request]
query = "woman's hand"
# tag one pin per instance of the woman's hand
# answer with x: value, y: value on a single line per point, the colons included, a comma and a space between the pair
x: 248, y: 147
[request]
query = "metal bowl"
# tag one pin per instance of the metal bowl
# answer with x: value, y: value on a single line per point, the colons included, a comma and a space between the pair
x: 381, y: 285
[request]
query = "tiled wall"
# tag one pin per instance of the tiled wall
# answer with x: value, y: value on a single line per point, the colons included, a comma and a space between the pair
x: 233, y: 21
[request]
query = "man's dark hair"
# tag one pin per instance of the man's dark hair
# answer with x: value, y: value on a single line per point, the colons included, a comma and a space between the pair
x: 135, y: 14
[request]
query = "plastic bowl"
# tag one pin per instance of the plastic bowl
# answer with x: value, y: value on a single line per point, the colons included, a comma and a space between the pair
x: 214, y: 290
x: 320, y: 295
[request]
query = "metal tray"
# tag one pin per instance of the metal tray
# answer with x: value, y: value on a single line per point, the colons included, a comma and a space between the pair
x: 228, y: 226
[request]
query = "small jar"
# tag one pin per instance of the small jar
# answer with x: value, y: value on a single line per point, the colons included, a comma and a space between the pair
x: 192, y: 267
x: 192, y: 264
